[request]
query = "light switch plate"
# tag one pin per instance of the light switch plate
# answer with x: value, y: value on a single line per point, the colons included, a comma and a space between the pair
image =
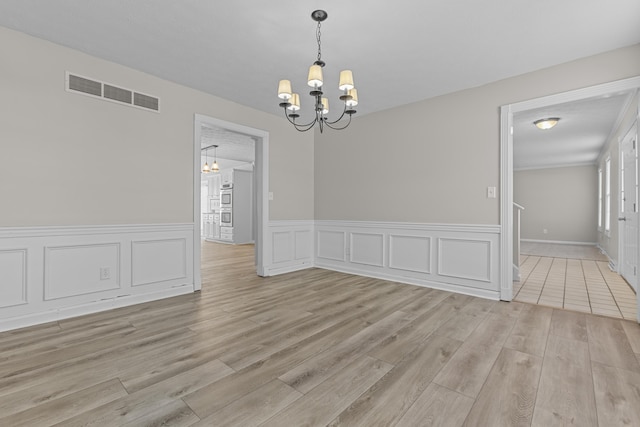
x: 491, y: 192
x: 270, y: 195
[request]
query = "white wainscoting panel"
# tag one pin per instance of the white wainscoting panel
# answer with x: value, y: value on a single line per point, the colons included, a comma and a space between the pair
x: 50, y: 273
x: 303, y: 244
x: 410, y: 253
x: 332, y: 245
x: 282, y: 246
x: 75, y: 270
x: 155, y: 261
x: 465, y: 257
x: 291, y: 246
x: 367, y: 248
x: 13, y: 273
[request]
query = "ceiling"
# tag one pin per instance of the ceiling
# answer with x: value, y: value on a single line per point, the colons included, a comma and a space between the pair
x: 577, y: 139
x: 400, y: 52
x: 234, y: 149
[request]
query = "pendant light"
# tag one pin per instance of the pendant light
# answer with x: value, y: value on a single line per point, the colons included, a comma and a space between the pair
x: 206, y: 168
x: 214, y: 166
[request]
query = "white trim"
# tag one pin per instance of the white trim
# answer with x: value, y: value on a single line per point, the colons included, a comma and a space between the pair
x: 465, y: 290
x: 64, y: 230
x: 90, y: 308
x: 506, y: 164
x: 560, y: 242
x: 472, y: 228
x: 564, y: 165
x: 506, y: 203
x: 261, y: 198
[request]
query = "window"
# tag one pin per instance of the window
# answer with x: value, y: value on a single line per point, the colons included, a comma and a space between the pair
x: 607, y: 195
x: 600, y: 199
x: 621, y: 182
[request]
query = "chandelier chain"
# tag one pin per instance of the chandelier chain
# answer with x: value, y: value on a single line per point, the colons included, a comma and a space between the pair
x: 318, y: 34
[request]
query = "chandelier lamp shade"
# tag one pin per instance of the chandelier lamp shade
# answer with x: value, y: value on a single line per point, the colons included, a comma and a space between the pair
x: 291, y: 100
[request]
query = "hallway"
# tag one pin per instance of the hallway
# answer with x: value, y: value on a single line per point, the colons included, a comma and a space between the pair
x: 574, y: 278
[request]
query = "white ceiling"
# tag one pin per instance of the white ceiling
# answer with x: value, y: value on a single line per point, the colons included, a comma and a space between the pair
x: 234, y: 148
x: 577, y: 139
x: 400, y: 52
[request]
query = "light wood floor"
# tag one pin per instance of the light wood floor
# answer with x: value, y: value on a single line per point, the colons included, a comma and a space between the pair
x: 573, y: 277
x: 321, y: 348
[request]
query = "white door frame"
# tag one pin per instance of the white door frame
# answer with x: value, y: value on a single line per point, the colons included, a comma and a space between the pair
x: 261, y: 191
x: 506, y: 165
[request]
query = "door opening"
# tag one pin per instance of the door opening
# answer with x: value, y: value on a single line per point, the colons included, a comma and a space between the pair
x: 506, y: 164
x: 260, y: 193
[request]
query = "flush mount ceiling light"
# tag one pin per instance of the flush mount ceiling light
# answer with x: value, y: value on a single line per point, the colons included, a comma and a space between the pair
x: 291, y: 101
x: 548, y: 123
x: 214, y: 166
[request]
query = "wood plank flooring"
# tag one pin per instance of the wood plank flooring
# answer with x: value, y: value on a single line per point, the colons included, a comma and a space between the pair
x: 321, y: 348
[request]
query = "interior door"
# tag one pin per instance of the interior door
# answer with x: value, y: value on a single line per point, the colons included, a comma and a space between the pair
x: 629, y: 208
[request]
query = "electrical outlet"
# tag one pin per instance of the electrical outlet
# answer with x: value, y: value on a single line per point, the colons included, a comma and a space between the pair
x: 105, y: 273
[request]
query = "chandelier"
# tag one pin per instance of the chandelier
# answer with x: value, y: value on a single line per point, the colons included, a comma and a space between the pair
x: 291, y: 101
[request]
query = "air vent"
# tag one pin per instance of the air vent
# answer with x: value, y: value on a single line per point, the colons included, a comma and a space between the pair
x: 109, y: 92
x: 80, y: 84
x: 117, y: 94
x: 146, y: 101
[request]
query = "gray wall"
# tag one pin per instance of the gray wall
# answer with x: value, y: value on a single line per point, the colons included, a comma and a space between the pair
x: 564, y: 201
x: 68, y: 159
x: 433, y: 160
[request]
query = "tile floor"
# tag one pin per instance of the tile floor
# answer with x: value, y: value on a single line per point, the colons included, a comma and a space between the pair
x: 586, y: 285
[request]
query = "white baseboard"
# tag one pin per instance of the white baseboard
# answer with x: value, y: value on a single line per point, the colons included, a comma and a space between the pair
x: 516, y: 273
x: 89, y: 308
x: 559, y: 242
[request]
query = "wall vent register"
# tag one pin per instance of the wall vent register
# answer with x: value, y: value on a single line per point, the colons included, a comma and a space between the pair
x: 95, y: 88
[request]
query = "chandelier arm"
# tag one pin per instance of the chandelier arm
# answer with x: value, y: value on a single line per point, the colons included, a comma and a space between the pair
x: 309, y: 127
x: 299, y: 127
x: 339, y: 118
x: 336, y: 127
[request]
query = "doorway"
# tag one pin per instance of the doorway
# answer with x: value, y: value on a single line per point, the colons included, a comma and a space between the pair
x: 260, y: 198
x: 506, y: 162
